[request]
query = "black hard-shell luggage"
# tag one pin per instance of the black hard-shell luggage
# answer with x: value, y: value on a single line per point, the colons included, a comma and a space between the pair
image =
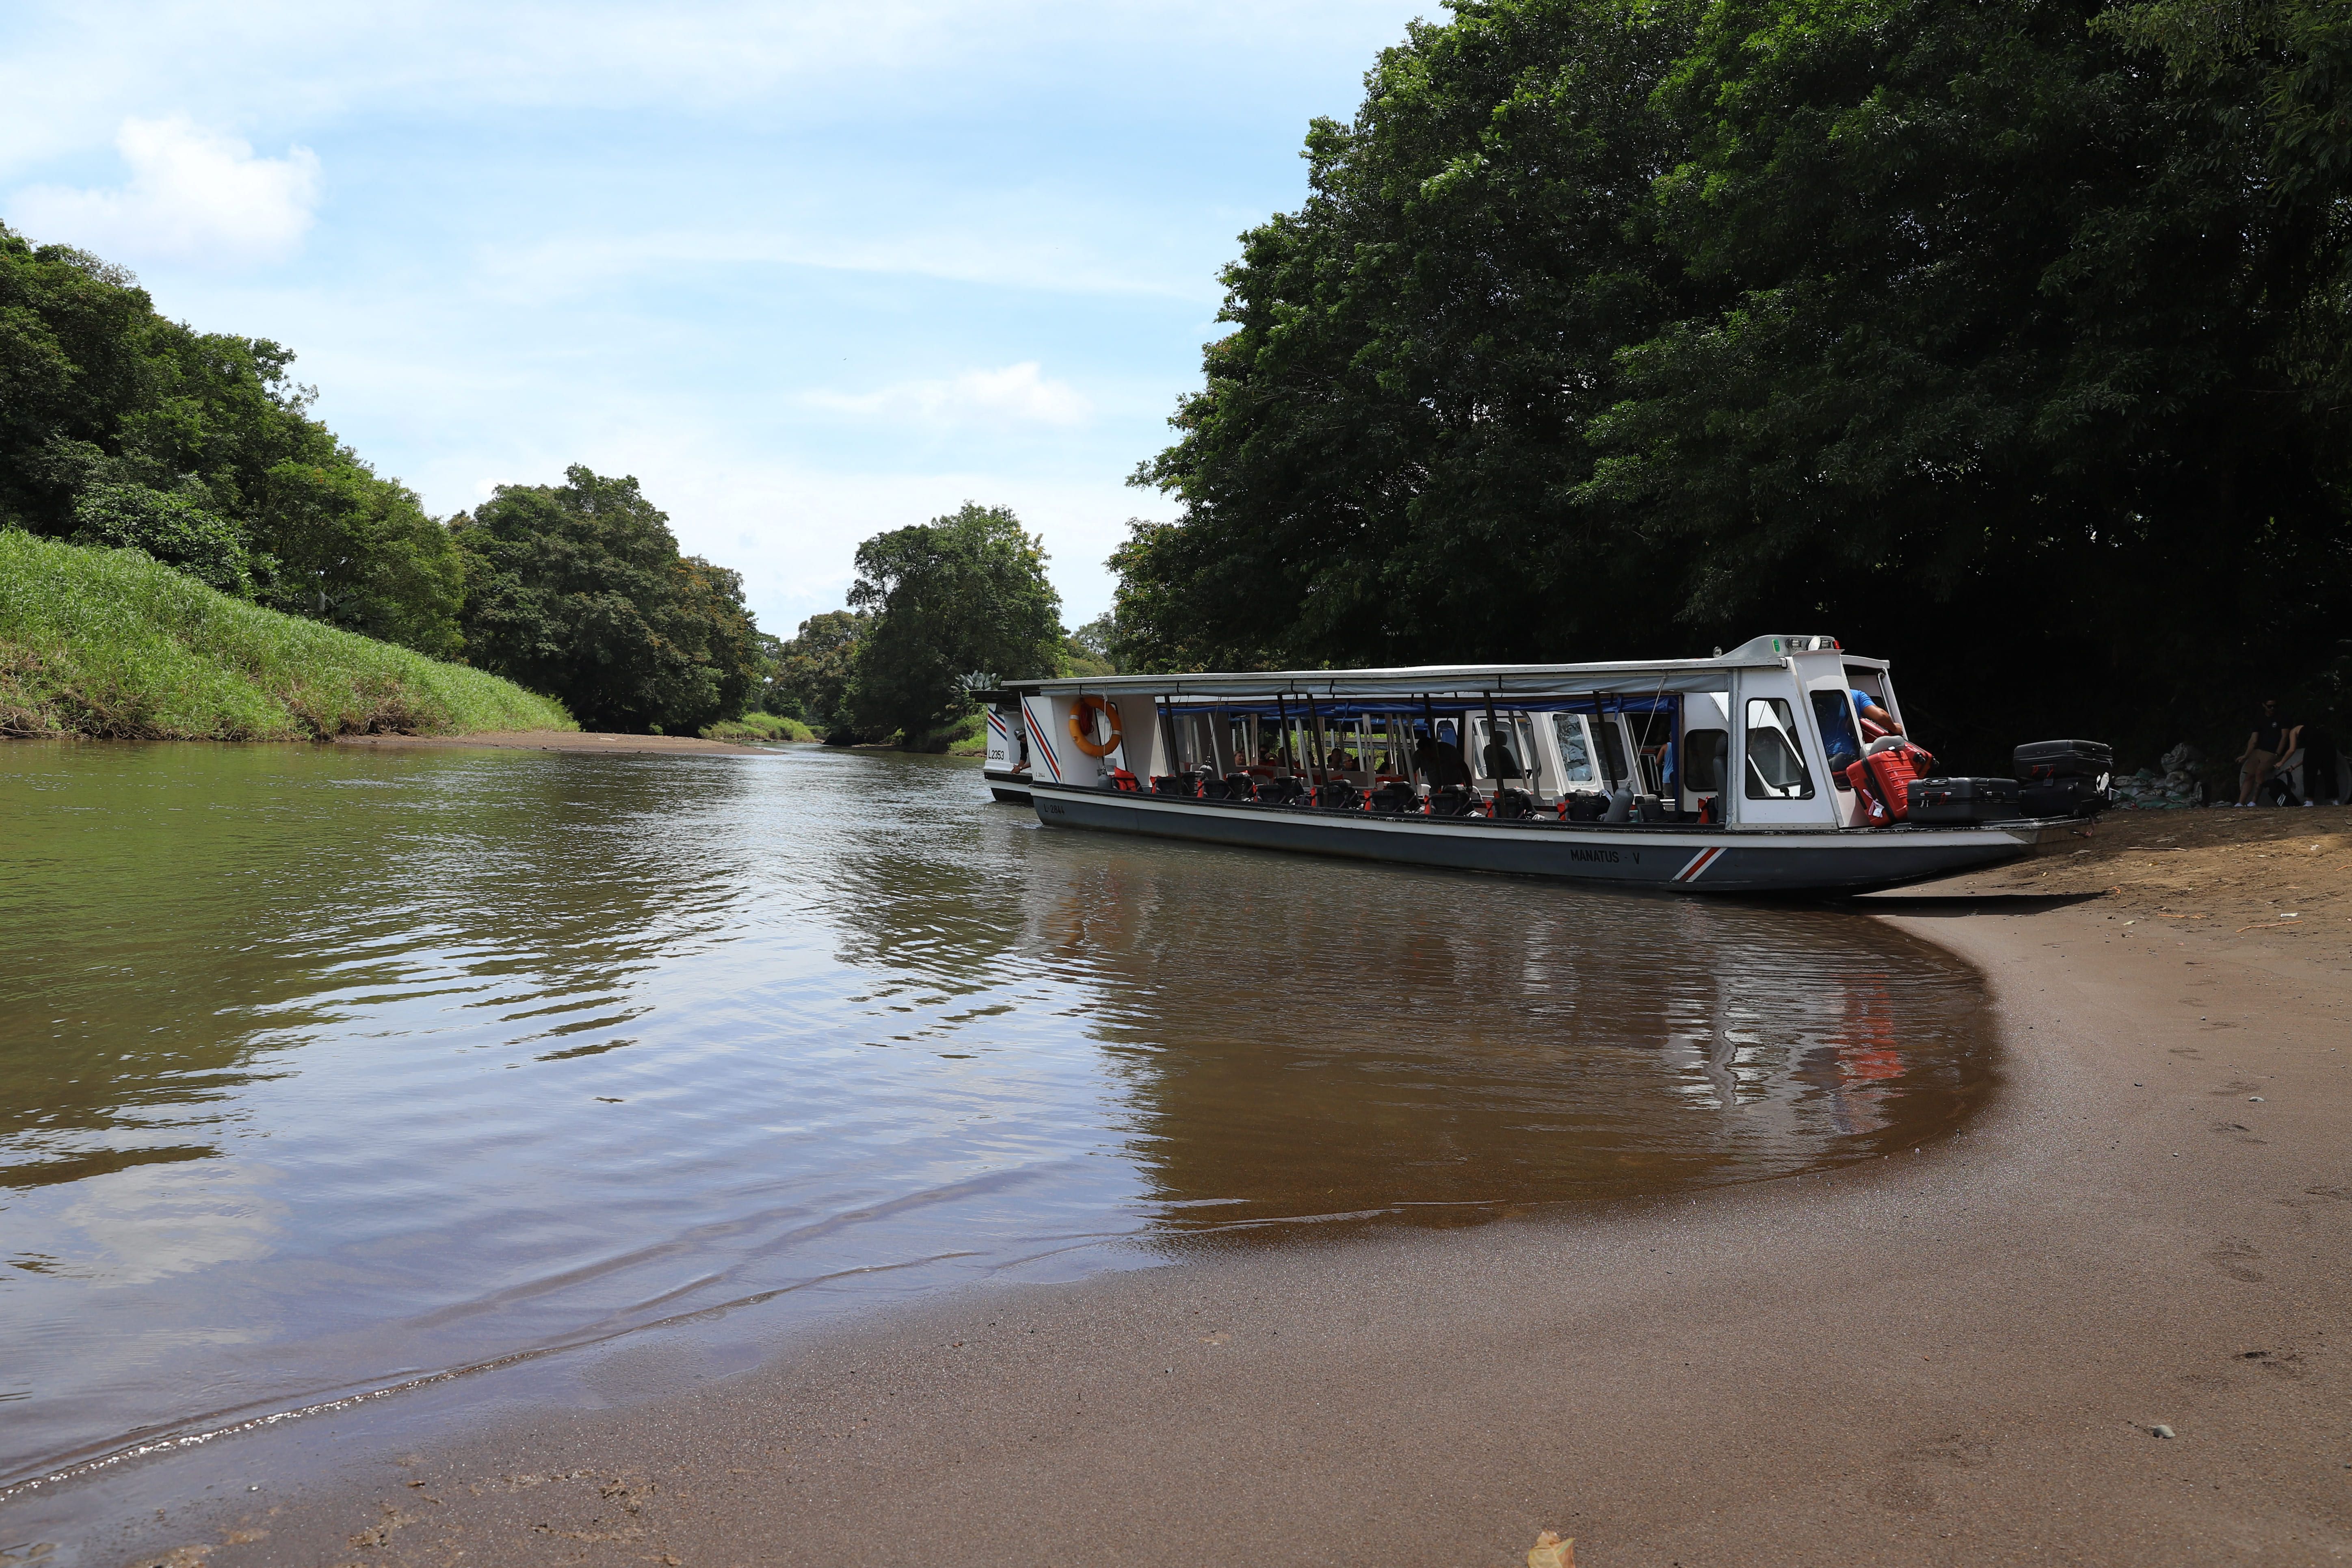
x: 1451, y: 800
x: 1337, y: 795
x: 2063, y: 798
x: 1281, y: 792
x: 2037, y: 762
x: 1950, y: 801
x: 1584, y: 806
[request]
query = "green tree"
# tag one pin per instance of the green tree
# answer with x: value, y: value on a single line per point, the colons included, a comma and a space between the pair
x: 360, y: 552
x: 961, y: 594
x: 814, y: 671
x: 105, y: 402
x: 1093, y: 648
x: 1382, y: 464
x: 174, y: 529
x: 1611, y: 329
x: 578, y: 590
x: 1999, y: 337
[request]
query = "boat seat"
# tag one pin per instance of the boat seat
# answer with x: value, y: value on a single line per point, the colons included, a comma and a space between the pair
x: 1452, y: 800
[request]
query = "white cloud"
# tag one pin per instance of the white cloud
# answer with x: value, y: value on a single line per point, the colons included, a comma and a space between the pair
x: 1017, y: 394
x: 194, y: 196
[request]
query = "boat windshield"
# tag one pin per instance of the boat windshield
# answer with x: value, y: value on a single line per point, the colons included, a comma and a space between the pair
x: 1575, y: 751
x: 1833, y: 710
x: 1776, y: 763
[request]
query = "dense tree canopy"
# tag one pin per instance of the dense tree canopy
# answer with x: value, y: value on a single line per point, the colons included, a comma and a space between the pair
x: 2004, y: 337
x: 118, y: 426
x: 811, y: 674
x: 578, y: 590
x: 959, y: 596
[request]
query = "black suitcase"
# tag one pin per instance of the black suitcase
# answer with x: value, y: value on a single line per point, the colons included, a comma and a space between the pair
x: 2037, y: 762
x: 2063, y: 798
x: 1949, y: 801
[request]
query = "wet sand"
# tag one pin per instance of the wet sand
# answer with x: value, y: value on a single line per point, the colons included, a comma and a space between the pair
x: 590, y: 742
x: 1955, y: 1356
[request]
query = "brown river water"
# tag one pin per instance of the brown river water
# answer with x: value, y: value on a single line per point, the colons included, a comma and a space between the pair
x: 325, y: 1071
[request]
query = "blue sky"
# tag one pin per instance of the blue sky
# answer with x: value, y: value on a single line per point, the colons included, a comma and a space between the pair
x: 809, y: 273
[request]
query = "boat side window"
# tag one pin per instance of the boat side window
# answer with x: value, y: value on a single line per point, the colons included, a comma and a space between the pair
x: 1573, y: 754
x: 1514, y: 742
x: 1523, y: 743
x: 1840, y: 739
x: 1653, y: 733
x: 1709, y: 751
x: 1614, y: 770
x: 1776, y: 764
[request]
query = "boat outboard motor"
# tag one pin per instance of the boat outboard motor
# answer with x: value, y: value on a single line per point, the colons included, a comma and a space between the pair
x: 1337, y: 795
x: 1239, y: 786
x: 1621, y: 806
x: 1210, y: 787
x: 1394, y: 796
x: 1450, y: 800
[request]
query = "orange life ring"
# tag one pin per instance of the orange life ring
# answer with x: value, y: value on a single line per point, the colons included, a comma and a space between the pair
x: 1082, y: 725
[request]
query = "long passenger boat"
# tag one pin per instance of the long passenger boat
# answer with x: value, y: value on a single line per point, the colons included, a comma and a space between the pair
x: 1726, y: 774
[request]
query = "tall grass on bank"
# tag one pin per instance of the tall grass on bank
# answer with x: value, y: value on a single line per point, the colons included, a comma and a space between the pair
x: 759, y: 726
x: 108, y: 642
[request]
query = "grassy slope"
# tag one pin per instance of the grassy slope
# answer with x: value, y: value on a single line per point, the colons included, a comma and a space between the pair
x: 108, y: 642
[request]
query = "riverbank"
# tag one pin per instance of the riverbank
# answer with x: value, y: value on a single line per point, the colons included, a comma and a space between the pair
x: 109, y: 644
x: 589, y: 743
x: 1961, y: 1355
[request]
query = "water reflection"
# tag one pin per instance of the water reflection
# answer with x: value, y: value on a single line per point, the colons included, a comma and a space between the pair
x: 1305, y: 1039
x: 322, y: 1070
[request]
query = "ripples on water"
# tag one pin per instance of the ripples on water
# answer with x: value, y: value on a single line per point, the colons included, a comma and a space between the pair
x: 320, y: 1069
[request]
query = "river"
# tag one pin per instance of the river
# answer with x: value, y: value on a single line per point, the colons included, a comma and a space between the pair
x: 326, y: 1070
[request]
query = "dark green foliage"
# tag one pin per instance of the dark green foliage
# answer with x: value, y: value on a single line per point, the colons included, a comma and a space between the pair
x: 578, y: 590
x: 814, y: 672
x: 100, y: 393
x: 358, y: 551
x: 1092, y: 649
x: 1381, y: 466
x: 958, y: 595
x: 171, y: 529
x: 1615, y: 329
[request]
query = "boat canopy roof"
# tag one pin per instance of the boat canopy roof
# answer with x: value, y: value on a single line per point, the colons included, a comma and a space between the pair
x: 1471, y: 682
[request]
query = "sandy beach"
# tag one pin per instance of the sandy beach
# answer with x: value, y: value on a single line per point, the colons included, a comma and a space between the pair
x: 1972, y: 1353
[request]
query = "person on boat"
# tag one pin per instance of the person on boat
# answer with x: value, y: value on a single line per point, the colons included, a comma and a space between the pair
x: 1435, y: 758
x: 1876, y: 720
x: 1501, y: 761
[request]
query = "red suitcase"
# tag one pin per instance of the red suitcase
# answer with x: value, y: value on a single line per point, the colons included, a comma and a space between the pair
x: 1883, y: 780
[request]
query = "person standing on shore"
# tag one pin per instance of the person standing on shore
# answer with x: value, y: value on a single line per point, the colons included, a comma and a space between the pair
x: 2272, y: 738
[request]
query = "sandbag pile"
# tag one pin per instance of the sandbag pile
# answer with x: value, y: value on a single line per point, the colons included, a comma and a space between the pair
x: 2171, y: 785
